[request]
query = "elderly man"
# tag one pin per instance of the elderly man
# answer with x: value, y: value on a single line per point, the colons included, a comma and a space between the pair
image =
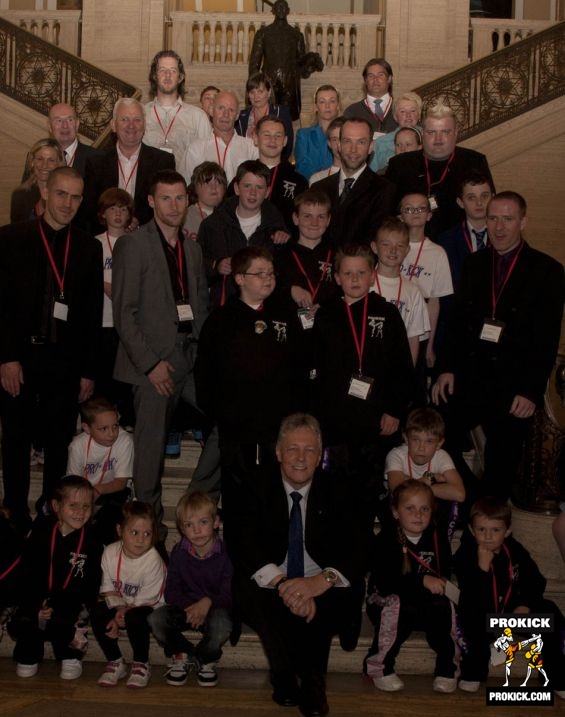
x: 438, y: 169
x: 171, y: 124
x: 376, y: 108
x: 502, y: 340
x: 298, y: 562
x: 225, y: 146
x: 50, y: 318
x: 360, y: 198
x: 160, y: 300
x: 406, y: 110
x: 130, y: 165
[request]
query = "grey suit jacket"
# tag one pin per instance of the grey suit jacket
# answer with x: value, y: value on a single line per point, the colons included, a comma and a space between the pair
x: 144, y: 308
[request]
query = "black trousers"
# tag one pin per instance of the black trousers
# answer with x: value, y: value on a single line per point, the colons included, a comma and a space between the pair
x: 137, y: 629
x: 51, y: 386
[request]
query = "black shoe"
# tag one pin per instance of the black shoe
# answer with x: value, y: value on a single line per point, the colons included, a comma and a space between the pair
x: 313, y: 702
x: 285, y: 689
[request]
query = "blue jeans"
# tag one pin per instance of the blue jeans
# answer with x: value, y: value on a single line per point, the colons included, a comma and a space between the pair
x: 168, y: 624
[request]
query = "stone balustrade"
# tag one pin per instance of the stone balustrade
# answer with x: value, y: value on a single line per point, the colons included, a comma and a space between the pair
x: 343, y: 41
x: 491, y: 35
x: 59, y: 27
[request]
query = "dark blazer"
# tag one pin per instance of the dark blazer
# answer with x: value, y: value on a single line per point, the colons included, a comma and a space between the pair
x: 360, y: 109
x: 408, y: 172
x: 531, y: 306
x: 259, y: 528
x: 457, y: 250
x: 102, y: 173
x: 360, y: 215
x: 22, y: 203
x: 144, y: 308
x: 23, y: 272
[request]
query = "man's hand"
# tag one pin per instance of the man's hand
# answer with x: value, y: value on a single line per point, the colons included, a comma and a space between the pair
x: 389, y: 424
x: 197, y: 612
x: 443, y: 387
x: 161, y: 378
x: 86, y: 389
x: 522, y: 407
x: 224, y: 266
x: 280, y: 237
x: 11, y: 377
x: 132, y: 225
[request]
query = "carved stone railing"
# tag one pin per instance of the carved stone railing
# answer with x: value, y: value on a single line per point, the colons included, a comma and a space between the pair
x: 227, y: 38
x: 505, y: 84
x: 488, y: 36
x: 59, y: 27
x: 39, y: 75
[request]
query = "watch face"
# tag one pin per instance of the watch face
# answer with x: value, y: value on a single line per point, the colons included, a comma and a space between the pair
x: 330, y: 575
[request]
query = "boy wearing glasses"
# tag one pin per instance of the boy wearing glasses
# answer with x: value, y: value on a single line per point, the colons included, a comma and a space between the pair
x: 247, y: 219
x: 245, y: 374
x: 426, y: 263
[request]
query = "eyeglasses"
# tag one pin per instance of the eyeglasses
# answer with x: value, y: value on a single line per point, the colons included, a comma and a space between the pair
x: 260, y: 274
x: 414, y: 210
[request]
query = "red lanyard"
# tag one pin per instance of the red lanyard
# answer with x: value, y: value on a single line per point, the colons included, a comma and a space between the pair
x: 109, y: 244
x: 415, y: 264
x: 494, y: 585
x: 410, y: 466
x: 59, y: 279
x: 423, y: 562
x: 397, y: 302
x: 105, y: 465
x: 77, y: 553
x: 383, y: 109
x: 9, y: 569
x: 171, y: 123
x: 273, y: 180
x: 495, y: 296
x: 179, y: 263
x: 444, y: 173
x: 313, y: 291
x: 222, y: 162
x: 119, y: 582
x: 223, y: 294
x: 359, y: 345
x: 128, y: 180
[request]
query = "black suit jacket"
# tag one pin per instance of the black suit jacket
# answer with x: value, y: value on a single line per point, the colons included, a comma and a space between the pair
x: 531, y: 307
x: 408, y: 172
x: 83, y: 153
x: 360, y: 215
x: 102, y: 173
x: 258, y: 530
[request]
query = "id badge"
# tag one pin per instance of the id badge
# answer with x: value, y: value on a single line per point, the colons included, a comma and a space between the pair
x: 433, y: 202
x: 492, y: 330
x: 360, y: 387
x: 184, y: 312
x: 60, y: 311
x: 306, y: 321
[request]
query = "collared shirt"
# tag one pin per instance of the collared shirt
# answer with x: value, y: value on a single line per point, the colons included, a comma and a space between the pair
x: 214, y: 149
x: 175, y: 127
x: 471, y: 233
x: 70, y: 153
x: 355, y: 177
x: 127, y: 170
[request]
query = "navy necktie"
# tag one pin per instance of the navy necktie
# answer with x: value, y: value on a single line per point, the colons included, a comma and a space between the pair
x: 295, y: 557
x: 480, y: 238
x: 347, y: 186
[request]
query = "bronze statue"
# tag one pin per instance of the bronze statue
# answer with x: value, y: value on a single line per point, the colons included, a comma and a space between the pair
x: 279, y: 51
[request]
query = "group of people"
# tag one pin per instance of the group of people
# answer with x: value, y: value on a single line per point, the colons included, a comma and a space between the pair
x: 310, y: 325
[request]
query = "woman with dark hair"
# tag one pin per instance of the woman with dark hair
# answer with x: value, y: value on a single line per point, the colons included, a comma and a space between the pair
x: 258, y: 90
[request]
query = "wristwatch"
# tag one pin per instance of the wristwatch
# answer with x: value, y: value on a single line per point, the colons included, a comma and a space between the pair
x: 330, y: 575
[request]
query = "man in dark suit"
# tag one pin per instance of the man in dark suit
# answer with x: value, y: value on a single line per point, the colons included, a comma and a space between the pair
x: 160, y: 300
x: 502, y: 341
x: 129, y: 165
x: 298, y: 561
x: 50, y: 318
x: 437, y: 169
x: 360, y: 199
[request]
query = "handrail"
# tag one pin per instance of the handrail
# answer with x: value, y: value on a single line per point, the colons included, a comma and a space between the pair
x: 39, y: 75
x: 503, y: 85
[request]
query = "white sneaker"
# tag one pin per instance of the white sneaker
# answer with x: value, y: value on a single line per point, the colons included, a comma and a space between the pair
x: 207, y: 675
x: 115, y: 670
x: 70, y: 669
x: 469, y: 685
x: 388, y: 683
x: 26, y: 670
x: 139, y: 675
x: 178, y: 671
x: 444, y: 684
